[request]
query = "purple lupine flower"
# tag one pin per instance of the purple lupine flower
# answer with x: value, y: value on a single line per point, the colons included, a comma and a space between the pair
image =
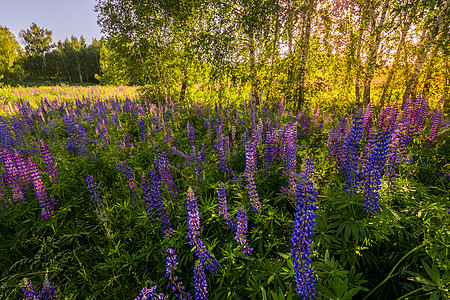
x: 142, y: 131
x: 291, y: 158
x: 41, y: 194
x: 95, y: 195
x: 270, y: 149
x: 208, y: 261
x: 241, y: 231
x: 436, y: 123
x: 128, y: 172
x: 6, y: 138
x: 289, y: 137
x: 50, y: 167
x: 13, y: 175
x: 372, y: 172
x: 351, y: 142
x: 29, y: 290
x: 200, y: 283
x: 48, y: 290
x: 251, y: 155
x: 162, y: 161
x: 253, y: 193
x: 223, y: 212
x: 150, y: 294
x: 393, y: 117
x: 155, y: 202
x: 301, y: 238
x: 175, y: 284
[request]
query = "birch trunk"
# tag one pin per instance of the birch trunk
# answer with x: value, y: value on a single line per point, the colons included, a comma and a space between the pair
x: 429, y: 39
x: 252, y: 57
x: 358, y: 56
x: 372, y: 59
x: 386, y: 95
x: 302, y: 72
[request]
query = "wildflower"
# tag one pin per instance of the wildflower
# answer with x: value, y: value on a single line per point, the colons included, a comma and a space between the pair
x: 223, y: 207
x: 200, y: 283
x: 175, y: 284
x: 41, y: 194
x: 49, y: 162
x: 95, y: 195
x: 200, y: 250
x: 241, y: 231
x: 48, y: 290
x: 301, y: 237
x: 29, y: 290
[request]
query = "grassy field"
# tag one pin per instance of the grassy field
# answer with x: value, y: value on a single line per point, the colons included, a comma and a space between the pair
x: 109, y: 195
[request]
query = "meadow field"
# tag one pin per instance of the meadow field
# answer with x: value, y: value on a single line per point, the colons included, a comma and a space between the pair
x: 107, y: 194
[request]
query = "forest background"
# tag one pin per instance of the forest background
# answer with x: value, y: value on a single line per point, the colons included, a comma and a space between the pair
x: 348, y: 53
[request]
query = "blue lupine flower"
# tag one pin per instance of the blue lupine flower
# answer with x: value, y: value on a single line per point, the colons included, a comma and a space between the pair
x: 150, y: 294
x: 200, y: 283
x: 175, y: 284
x: 241, y: 231
x: 155, y: 202
x: 48, y: 290
x: 200, y: 250
x: 301, y: 237
x: 95, y: 195
x: 29, y: 290
x: 162, y: 161
x: 223, y: 212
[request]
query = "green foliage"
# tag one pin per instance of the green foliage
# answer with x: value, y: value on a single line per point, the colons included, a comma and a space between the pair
x: 88, y: 253
x: 10, y: 53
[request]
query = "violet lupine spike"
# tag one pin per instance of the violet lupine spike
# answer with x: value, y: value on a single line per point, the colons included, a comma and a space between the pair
x: 351, y: 142
x: 162, y: 161
x: 393, y: 117
x: 13, y: 176
x: 372, y: 172
x: 175, y: 284
x: 158, y: 204
x: 241, y: 231
x: 128, y: 172
x: 48, y: 290
x: 150, y: 294
x: 45, y: 203
x: 270, y: 150
x: 29, y: 290
x: 302, y: 238
x: 200, y: 283
x: 208, y: 261
x: 253, y: 193
x: 223, y: 212
x: 435, y: 123
x: 95, y: 195
x: 50, y: 167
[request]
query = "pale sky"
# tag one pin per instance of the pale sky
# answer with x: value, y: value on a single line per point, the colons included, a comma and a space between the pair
x: 63, y: 17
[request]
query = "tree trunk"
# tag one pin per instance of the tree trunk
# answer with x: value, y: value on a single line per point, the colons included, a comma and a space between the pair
x: 372, y: 59
x: 428, y: 77
x: 79, y: 68
x: 386, y: 95
x: 183, y: 85
x: 358, y: 56
x: 252, y: 57
x: 65, y: 67
x: 305, y: 50
x: 429, y: 39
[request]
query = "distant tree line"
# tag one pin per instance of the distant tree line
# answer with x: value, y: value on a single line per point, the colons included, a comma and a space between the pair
x: 71, y: 60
